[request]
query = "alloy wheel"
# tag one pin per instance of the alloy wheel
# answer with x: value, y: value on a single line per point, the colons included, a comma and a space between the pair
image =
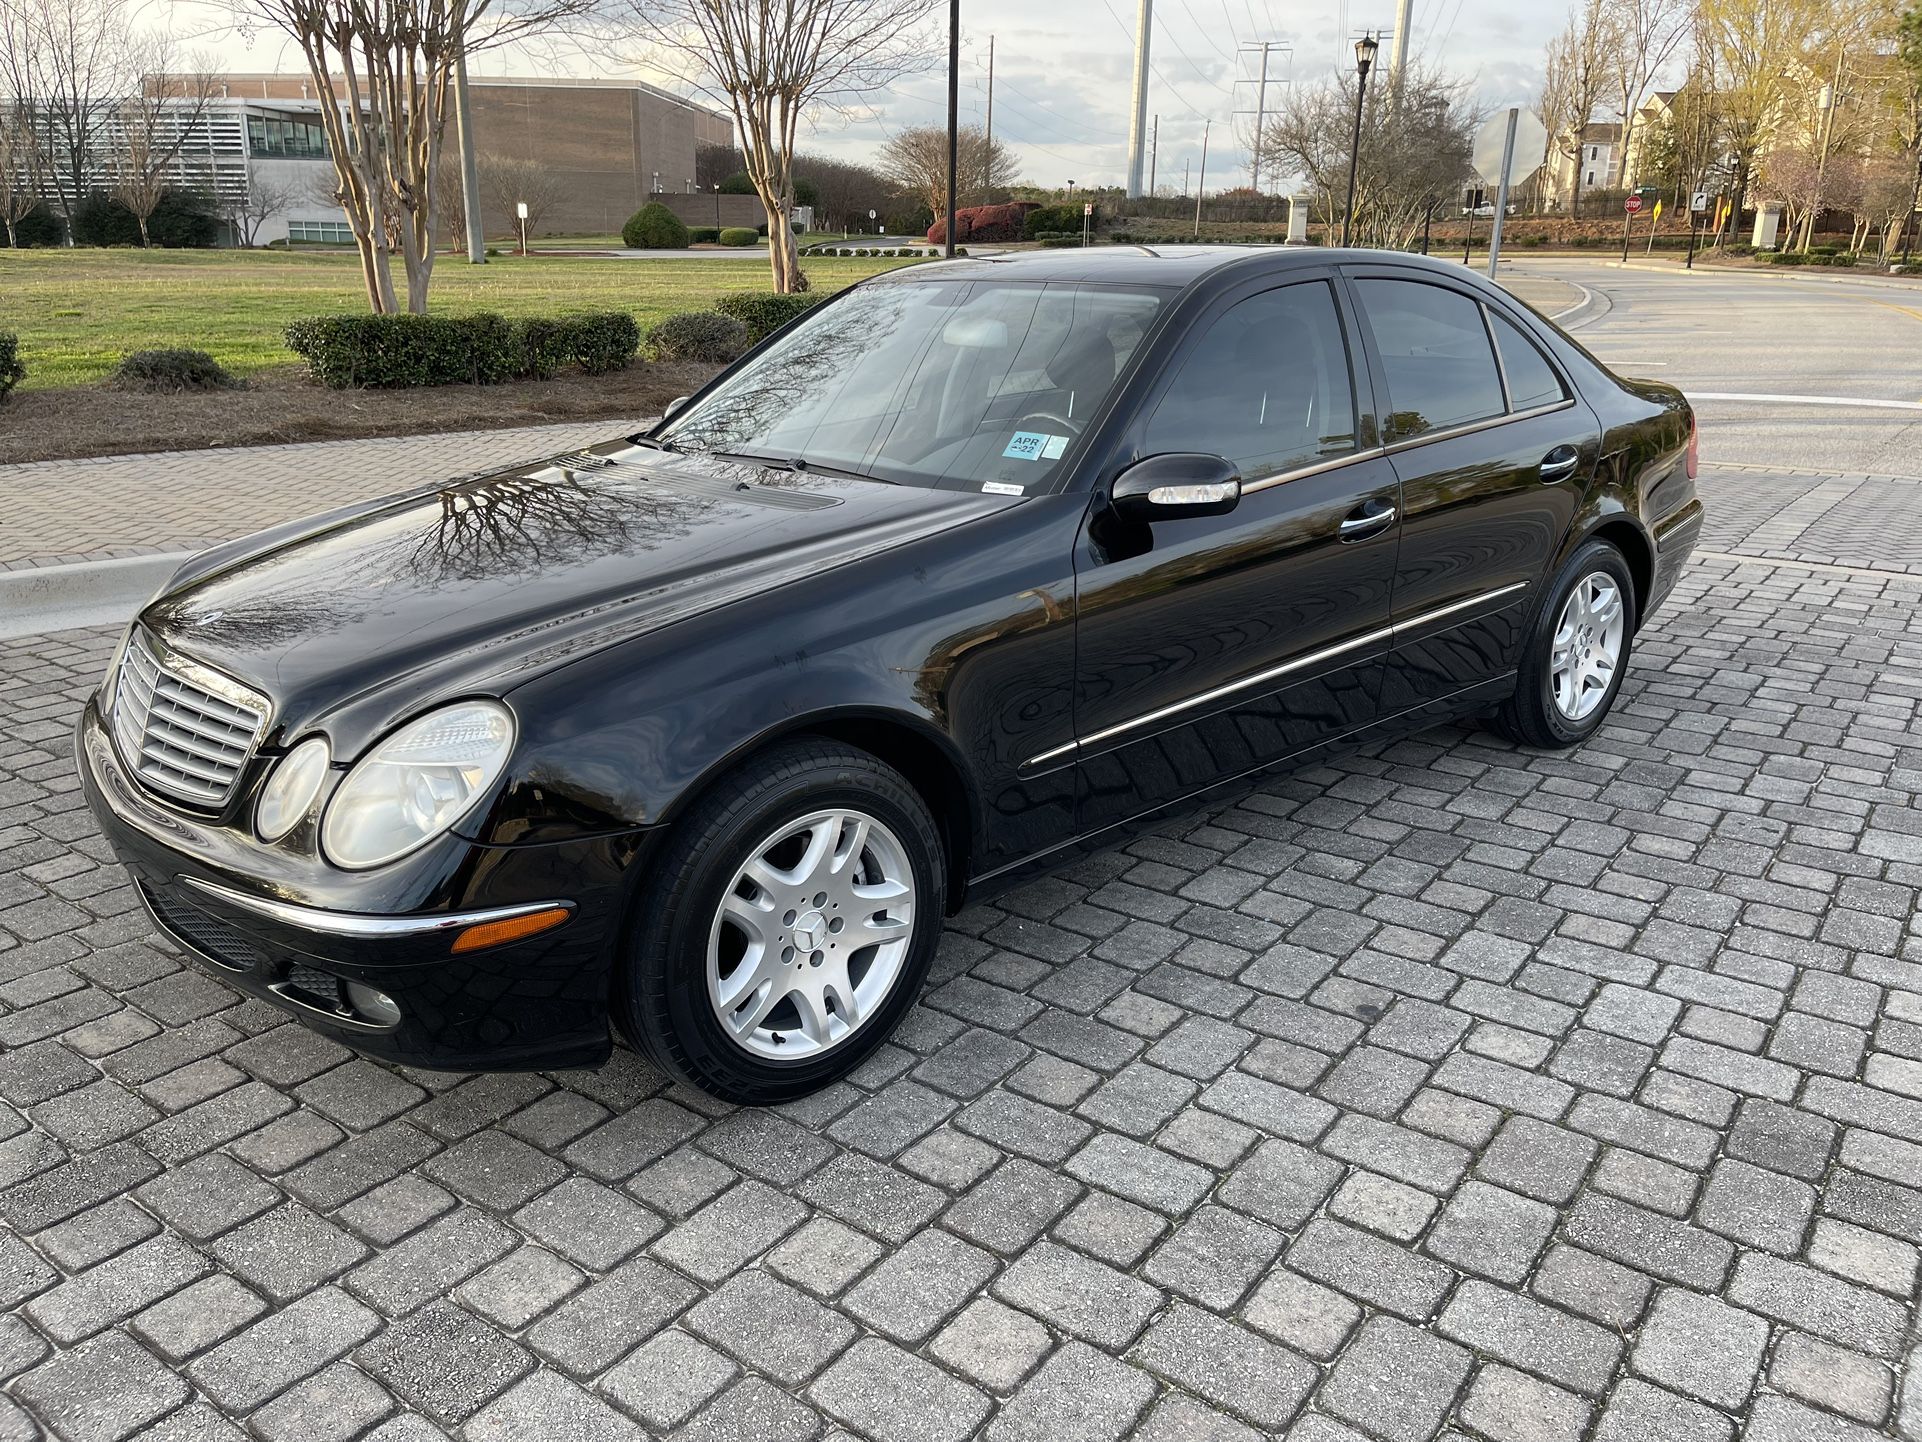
x: 811, y: 934
x: 1587, y: 647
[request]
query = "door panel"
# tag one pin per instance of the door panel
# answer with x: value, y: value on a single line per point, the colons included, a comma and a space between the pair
x: 1211, y: 646
x: 1213, y: 605
x: 1491, y: 449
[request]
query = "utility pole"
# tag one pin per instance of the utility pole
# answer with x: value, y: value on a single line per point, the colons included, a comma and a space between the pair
x: 1398, y: 57
x: 1201, y: 181
x: 1154, y: 153
x: 987, y: 159
x: 469, y: 164
x: 954, y: 116
x: 1264, y: 47
x: 1137, y: 131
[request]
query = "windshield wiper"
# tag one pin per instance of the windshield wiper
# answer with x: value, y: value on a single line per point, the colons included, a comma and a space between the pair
x: 654, y: 443
x: 799, y: 465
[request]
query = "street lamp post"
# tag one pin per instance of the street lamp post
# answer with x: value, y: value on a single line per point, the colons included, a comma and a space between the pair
x: 1365, y: 49
x: 717, y: 205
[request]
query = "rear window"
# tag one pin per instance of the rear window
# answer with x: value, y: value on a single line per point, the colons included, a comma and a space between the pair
x: 1434, y: 349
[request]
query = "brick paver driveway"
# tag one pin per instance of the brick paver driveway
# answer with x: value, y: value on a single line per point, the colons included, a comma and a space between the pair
x: 1448, y: 1090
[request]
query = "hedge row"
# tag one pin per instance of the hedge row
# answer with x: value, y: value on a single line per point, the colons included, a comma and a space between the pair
x: 12, y: 372
x: 986, y: 222
x: 391, y: 351
x: 738, y: 235
x: 698, y: 335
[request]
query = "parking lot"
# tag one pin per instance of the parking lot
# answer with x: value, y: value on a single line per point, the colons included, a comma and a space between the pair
x: 1447, y: 1090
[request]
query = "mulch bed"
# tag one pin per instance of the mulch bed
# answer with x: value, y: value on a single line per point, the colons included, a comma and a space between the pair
x: 283, y: 405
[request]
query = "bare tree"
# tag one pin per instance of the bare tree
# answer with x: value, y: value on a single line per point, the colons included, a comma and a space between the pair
x: 389, y: 65
x: 508, y: 183
x: 1413, y: 154
x: 154, y: 122
x: 917, y: 160
x: 262, y: 201
x: 1575, y: 77
x: 19, y: 166
x: 1647, y: 33
x: 64, y: 60
x: 770, y: 60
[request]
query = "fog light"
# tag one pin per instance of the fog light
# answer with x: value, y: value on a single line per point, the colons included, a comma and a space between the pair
x: 372, y: 1005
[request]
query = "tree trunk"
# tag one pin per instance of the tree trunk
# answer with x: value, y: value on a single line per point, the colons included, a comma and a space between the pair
x: 146, y: 241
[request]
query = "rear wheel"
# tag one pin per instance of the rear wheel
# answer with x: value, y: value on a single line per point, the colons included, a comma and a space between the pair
x: 1576, y: 653
x: 789, y: 927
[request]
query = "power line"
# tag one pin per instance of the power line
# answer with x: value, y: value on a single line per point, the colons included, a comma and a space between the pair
x: 1205, y: 34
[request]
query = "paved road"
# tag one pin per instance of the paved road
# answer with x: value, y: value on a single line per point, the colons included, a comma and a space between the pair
x: 1449, y: 1089
x: 1744, y: 333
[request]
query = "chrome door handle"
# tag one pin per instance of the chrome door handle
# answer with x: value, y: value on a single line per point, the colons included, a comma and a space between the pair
x: 1559, y: 464
x: 1365, y: 522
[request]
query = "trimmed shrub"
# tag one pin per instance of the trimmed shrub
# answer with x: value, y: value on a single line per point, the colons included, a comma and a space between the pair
x: 1057, y: 218
x: 603, y: 340
x: 764, y: 312
x: 393, y: 351
x: 988, y: 222
x: 397, y: 351
x: 12, y: 372
x: 654, y: 227
x: 38, y: 227
x: 545, y: 343
x: 738, y: 235
x: 173, y: 369
x: 703, y: 235
x: 698, y: 335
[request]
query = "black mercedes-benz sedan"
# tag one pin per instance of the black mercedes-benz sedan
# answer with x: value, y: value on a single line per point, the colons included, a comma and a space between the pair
x: 695, y: 738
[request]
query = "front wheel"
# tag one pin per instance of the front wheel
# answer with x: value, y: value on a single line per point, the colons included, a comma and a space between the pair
x: 789, y: 926
x: 1576, y: 652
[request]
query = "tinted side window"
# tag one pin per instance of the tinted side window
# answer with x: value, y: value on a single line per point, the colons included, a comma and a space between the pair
x: 1531, y: 379
x: 1434, y: 349
x: 1268, y: 386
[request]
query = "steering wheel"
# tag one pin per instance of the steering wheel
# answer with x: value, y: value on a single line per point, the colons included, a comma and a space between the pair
x: 1073, y: 428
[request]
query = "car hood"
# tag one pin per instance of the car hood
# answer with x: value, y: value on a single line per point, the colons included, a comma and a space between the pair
x: 474, y: 586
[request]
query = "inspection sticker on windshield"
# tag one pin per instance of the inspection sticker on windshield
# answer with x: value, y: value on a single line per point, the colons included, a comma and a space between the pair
x: 1034, y: 446
x: 1003, y: 488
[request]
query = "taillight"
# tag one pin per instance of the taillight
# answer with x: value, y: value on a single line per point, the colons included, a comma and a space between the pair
x: 1694, y: 462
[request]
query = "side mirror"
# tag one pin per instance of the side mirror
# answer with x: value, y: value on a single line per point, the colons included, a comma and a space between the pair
x: 674, y: 405
x: 1177, y: 486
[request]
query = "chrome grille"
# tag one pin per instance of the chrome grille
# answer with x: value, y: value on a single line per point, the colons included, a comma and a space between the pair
x: 185, y: 731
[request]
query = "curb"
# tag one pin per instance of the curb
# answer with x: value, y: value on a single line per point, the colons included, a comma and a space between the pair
x: 85, y: 593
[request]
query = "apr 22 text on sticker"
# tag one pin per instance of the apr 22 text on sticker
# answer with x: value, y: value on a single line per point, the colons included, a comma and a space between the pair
x: 1035, y: 446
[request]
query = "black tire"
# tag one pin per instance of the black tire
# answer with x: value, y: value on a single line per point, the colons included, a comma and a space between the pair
x: 660, y: 998
x: 1530, y: 717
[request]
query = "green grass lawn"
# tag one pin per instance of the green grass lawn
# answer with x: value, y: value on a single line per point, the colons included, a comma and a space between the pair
x: 78, y: 312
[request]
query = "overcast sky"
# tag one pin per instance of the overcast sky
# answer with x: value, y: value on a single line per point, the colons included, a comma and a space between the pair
x: 1063, y: 71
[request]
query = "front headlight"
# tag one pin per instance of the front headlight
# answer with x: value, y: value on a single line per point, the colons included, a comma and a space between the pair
x: 417, y: 783
x: 289, y: 793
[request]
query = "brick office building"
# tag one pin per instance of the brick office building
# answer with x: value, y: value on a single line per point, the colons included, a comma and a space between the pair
x: 610, y: 143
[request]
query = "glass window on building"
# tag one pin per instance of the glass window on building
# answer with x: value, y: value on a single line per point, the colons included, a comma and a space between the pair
x: 320, y: 232
x: 275, y: 137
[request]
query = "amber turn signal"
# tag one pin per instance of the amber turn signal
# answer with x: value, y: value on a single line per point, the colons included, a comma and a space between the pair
x: 514, y: 928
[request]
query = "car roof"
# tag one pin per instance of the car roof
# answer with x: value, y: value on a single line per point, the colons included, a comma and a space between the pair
x: 1174, y: 266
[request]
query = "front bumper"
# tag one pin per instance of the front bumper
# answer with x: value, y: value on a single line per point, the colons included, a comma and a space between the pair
x: 537, y: 1003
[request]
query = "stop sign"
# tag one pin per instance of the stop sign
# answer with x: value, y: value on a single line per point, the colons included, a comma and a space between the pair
x: 1633, y: 204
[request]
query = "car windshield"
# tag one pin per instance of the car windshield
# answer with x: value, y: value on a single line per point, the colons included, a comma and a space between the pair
x: 958, y: 384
